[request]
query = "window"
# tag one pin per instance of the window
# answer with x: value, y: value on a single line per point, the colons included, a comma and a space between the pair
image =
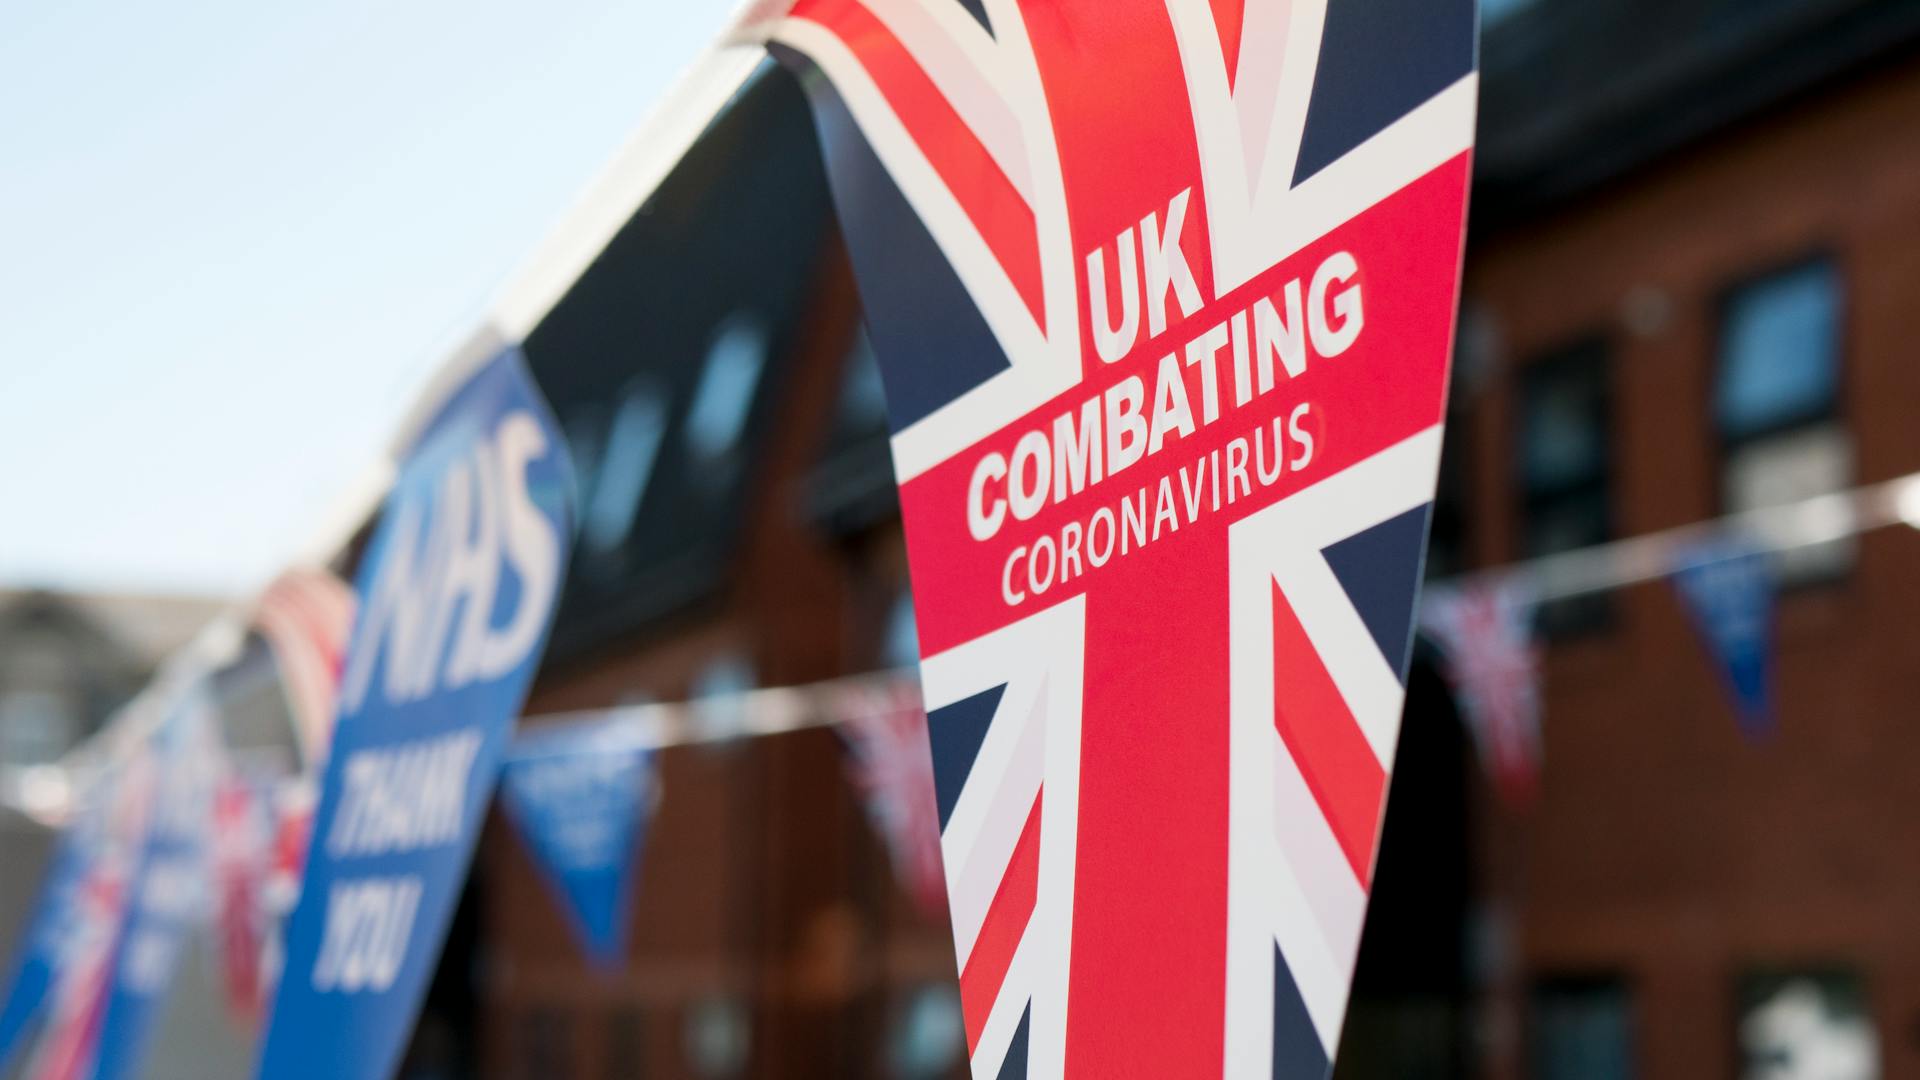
x: 863, y: 397
x: 1493, y: 12
x: 1776, y: 403
x: 36, y: 726
x: 719, y: 707
x: 718, y: 415
x: 626, y: 1041
x: 1581, y: 1029
x: 929, y: 1036
x: 586, y: 432
x: 900, y: 648
x: 1806, y: 1025
x: 850, y: 488
x: 727, y: 675
x: 546, y: 1042
x: 621, y: 475
x: 1565, y: 471
x: 719, y: 1037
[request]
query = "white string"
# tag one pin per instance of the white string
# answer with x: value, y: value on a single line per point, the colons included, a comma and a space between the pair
x: 49, y: 792
x: 724, y: 717
x: 1651, y: 556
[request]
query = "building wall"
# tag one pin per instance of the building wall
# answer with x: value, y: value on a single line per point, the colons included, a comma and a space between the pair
x: 765, y: 898
x: 61, y: 674
x: 1666, y: 854
x: 1666, y: 848
x: 68, y: 659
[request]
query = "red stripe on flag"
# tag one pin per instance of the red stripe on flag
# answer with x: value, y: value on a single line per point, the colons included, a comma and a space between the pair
x: 990, y: 200
x: 1000, y: 932
x: 1333, y: 755
x: 1228, y: 16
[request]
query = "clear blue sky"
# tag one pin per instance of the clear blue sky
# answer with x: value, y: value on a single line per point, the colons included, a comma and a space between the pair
x: 236, y: 237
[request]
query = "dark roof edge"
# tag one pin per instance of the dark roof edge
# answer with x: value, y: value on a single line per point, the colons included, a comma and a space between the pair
x: 1522, y: 173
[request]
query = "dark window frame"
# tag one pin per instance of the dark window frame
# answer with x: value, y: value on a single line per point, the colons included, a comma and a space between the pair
x: 1545, y: 984
x: 1578, y: 616
x: 546, y: 1040
x: 1727, y: 446
x: 1754, y: 973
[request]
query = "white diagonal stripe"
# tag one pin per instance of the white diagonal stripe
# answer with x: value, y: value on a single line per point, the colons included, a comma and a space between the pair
x: 1314, y: 859
x: 1413, y: 146
x: 1321, y: 978
x: 1369, y: 685
x: 1001, y: 803
x: 958, y: 56
x: 1003, y: 1019
x: 1042, y: 365
x: 979, y: 270
x: 1042, y: 660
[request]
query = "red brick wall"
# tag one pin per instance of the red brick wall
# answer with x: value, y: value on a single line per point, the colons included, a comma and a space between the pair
x: 1666, y: 847
x: 762, y: 880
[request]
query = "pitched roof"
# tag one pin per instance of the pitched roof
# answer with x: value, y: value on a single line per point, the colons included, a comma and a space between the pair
x: 1575, y: 94
x: 148, y: 626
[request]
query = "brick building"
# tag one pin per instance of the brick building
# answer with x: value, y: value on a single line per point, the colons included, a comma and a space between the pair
x: 1690, y: 285
x: 1691, y: 292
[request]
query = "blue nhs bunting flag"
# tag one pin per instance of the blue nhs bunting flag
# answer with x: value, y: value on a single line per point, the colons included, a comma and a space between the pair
x: 581, y: 798
x: 75, y: 937
x: 1728, y: 590
x: 457, y: 591
x: 168, y: 891
x: 40, y: 948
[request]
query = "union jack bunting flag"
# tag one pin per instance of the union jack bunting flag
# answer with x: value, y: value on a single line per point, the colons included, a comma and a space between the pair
x: 241, y: 845
x: 888, y: 761
x: 1485, y: 635
x: 290, y: 813
x: 1163, y: 296
x: 305, y: 616
x: 91, y: 934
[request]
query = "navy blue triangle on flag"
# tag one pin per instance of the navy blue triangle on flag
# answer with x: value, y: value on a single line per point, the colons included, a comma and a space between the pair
x: 1014, y: 1065
x: 1380, y: 571
x: 978, y: 10
x: 955, y: 733
x: 1379, y: 60
x: 1297, y: 1053
x: 912, y: 299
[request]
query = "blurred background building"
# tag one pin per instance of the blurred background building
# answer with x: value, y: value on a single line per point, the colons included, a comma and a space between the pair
x: 1689, y: 292
x: 68, y: 659
x: 1692, y: 282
